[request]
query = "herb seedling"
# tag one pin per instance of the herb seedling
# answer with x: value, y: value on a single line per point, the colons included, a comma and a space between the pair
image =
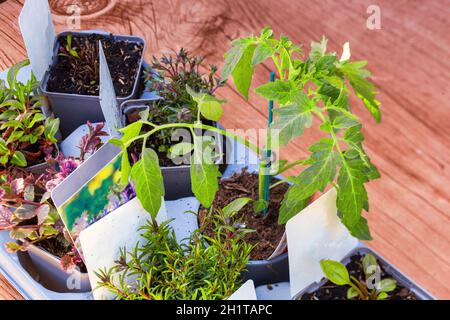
x: 201, y: 268
x: 363, y: 289
x: 26, y: 135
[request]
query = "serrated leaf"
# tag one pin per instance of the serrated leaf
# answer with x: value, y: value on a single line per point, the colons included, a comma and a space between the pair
x: 318, y: 49
x: 232, y: 57
x: 335, y: 271
x: 243, y: 71
x: 360, y: 230
x: 314, y: 178
x: 262, y: 52
x: 292, y: 120
x: 204, y: 174
x: 278, y: 90
x: 12, y: 247
x: 365, y: 90
x: 149, y: 181
x: 351, y: 195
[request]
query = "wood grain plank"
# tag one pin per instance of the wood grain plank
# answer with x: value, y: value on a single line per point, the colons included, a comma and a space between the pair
x: 410, y: 205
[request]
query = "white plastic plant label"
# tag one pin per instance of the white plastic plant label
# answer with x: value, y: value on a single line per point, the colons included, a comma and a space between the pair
x: 101, y: 242
x: 108, y: 99
x: 38, y: 32
x: 245, y: 292
x: 315, y: 233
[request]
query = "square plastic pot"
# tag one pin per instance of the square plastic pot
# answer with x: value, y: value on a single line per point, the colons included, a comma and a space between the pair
x: 74, y: 110
x: 46, y: 269
x: 403, y: 280
x: 177, y: 179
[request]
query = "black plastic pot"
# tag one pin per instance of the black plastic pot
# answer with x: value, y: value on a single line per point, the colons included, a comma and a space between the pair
x: 74, y: 110
x: 177, y: 179
x: 420, y: 293
x: 268, y: 271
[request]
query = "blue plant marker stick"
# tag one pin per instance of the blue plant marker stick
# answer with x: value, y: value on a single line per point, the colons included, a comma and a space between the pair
x: 268, y: 150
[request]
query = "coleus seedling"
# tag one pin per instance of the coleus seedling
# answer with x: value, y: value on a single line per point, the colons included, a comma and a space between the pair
x: 369, y: 288
x: 26, y: 135
x: 26, y: 209
x: 316, y: 86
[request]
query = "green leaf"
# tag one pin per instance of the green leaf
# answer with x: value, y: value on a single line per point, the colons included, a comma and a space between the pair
x: 262, y: 52
x: 278, y: 90
x: 335, y: 271
x: 351, y: 293
x: 365, y: 90
x: 387, y: 285
x: 51, y: 126
x: 352, y: 195
x: 314, y: 178
x: 204, y: 174
x: 382, y: 296
x: 12, y: 247
x: 232, y: 57
x: 259, y: 205
x: 149, y: 181
x: 361, y: 230
x: 243, y: 71
x: 125, y: 169
x: 235, y: 206
x: 211, y: 107
x: 318, y: 49
x: 292, y: 120
x: 369, y: 263
x: 37, y: 118
x: 13, y: 71
x: 16, y: 135
x: 18, y: 159
x: 180, y: 149
x: 131, y: 131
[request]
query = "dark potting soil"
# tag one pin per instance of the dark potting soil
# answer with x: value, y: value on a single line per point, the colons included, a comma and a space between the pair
x: 81, y: 76
x: 58, y: 247
x: 268, y: 232
x: 330, y: 291
x: 154, y: 142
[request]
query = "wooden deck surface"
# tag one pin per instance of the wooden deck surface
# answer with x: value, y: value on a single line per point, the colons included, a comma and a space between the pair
x: 409, y: 57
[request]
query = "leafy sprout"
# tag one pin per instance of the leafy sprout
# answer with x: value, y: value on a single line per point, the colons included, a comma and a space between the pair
x: 26, y: 135
x: 362, y: 289
x: 200, y: 268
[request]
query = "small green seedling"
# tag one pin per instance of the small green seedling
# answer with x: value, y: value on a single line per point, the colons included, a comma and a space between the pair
x: 371, y: 288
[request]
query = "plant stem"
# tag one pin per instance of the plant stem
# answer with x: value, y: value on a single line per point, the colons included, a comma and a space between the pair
x: 157, y: 128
